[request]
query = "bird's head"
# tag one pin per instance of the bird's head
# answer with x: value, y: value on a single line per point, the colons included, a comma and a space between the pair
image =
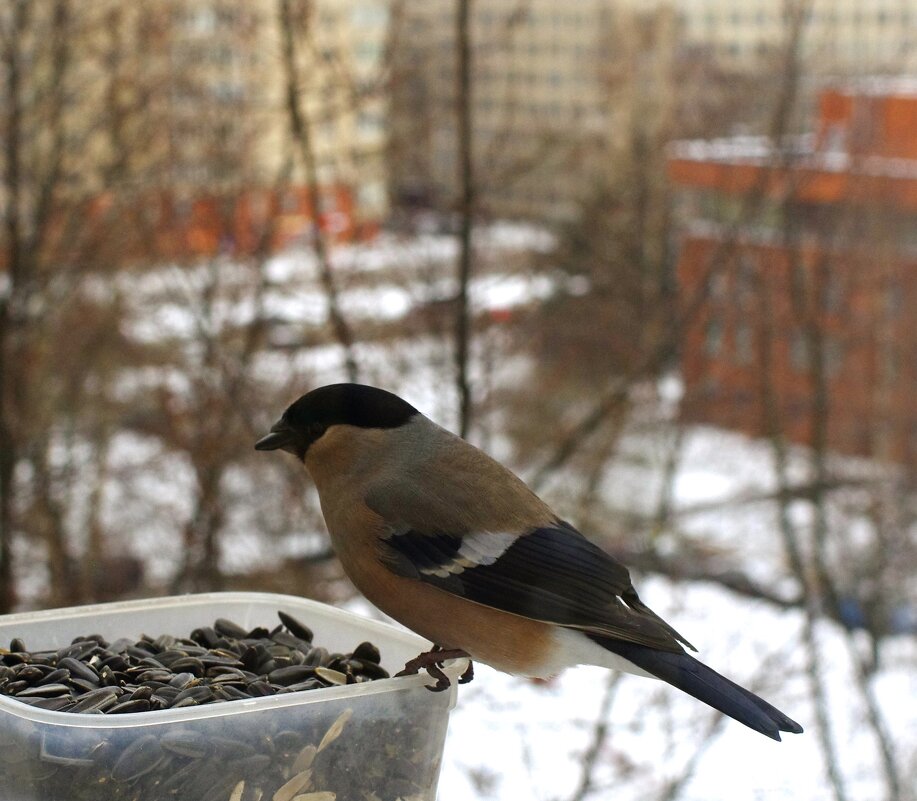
x: 318, y: 412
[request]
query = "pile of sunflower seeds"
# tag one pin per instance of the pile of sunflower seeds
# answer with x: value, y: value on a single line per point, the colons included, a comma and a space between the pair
x: 220, y: 663
x: 378, y: 747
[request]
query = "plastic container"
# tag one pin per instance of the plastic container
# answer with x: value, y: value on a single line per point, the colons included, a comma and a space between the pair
x: 390, y: 731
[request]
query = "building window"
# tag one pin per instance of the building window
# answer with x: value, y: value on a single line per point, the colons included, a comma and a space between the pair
x: 893, y: 302
x: 289, y: 202
x: 368, y: 15
x: 369, y: 51
x: 746, y: 271
x: 371, y: 196
x: 369, y: 123
x: 889, y: 365
x: 744, y: 344
x: 719, y: 284
x: 713, y: 338
x: 834, y: 357
x: 833, y: 293
x: 799, y: 352
x: 201, y: 20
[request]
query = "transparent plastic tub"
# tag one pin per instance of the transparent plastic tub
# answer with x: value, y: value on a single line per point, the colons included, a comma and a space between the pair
x: 374, y: 741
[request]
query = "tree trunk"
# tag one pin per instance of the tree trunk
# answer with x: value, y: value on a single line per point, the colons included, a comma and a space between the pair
x: 10, y: 299
x: 466, y: 206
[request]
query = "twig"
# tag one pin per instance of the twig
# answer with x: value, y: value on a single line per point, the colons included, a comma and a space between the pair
x: 465, y: 210
x: 600, y: 734
x: 301, y: 130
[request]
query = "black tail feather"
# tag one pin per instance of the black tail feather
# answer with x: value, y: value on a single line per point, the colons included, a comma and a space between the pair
x: 693, y: 677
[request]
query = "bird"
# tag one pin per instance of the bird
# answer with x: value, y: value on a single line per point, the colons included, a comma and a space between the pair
x: 449, y: 542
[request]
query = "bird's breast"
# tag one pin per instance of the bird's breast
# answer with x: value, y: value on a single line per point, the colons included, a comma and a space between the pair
x: 508, y: 642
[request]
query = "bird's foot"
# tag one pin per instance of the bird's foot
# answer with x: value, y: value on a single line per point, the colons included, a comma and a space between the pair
x: 468, y: 675
x: 432, y: 661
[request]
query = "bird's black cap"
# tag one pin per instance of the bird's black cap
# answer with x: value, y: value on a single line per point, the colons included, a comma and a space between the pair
x: 336, y: 404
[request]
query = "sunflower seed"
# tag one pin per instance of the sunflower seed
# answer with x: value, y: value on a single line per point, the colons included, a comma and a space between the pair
x: 317, y: 656
x: 295, y: 627
x: 336, y: 729
x: 330, y: 676
x: 182, y: 681
x: 44, y: 691
x: 189, y: 664
x: 130, y: 705
x: 229, y: 629
x: 140, y: 757
x: 291, y: 675
x: 142, y: 693
x: 185, y: 743
x: 97, y: 700
x: 291, y: 788
x: 366, y: 652
x: 305, y: 758
x: 79, y: 670
x: 58, y: 704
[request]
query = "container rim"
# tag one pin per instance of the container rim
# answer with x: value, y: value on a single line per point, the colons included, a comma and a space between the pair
x: 453, y: 668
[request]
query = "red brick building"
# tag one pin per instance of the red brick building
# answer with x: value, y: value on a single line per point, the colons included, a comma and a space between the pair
x: 798, y: 272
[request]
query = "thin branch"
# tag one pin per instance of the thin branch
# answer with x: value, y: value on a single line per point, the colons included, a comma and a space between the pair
x: 60, y: 36
x: 600, y: 733
x: 301, y: 130
x: 466, y: 210
x: 680, y: 568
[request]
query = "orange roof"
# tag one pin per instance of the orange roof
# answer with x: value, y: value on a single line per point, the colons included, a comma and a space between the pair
x: 864, y: 149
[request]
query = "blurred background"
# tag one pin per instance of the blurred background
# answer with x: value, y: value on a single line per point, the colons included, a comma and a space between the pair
x: 659, y: 256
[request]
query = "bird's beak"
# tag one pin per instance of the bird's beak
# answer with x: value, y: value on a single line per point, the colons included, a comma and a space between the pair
x: 281, y: 437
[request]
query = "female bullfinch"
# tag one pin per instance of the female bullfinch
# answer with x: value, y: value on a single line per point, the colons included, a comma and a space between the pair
x: 453, y: 545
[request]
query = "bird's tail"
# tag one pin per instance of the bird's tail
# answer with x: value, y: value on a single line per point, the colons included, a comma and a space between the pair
x: 693, y: 677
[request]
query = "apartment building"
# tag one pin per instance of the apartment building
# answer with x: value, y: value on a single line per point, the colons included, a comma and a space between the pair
x: 229, y: 80
x: 555, y: 88
x: 801, y: 265
x: 178, y: 112
x: 839, y: 36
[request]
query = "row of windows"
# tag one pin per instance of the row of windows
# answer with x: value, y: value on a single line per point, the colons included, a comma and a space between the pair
x: 369, y: 15
x: 535, y: 19
x: 715, y: 342
x: 368, y: 123
x: 740, y: 285
x: 744, y: 341
x: 827, y: 17
x: 890, y: 364
x: 554, y: 108
x: 207, y: 19
x: 539, y: 75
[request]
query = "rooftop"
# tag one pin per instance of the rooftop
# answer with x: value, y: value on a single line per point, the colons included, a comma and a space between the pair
x: 800, y: 152
x: 877, y: 85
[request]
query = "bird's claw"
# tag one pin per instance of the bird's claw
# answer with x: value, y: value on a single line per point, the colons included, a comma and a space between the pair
x: 432, y: 661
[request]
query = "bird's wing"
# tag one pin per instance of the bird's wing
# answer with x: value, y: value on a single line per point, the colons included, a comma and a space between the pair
x: 550, y: 573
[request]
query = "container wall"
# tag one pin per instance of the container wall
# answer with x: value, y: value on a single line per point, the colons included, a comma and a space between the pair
x: 388, y: 743
x: 381, y: 740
